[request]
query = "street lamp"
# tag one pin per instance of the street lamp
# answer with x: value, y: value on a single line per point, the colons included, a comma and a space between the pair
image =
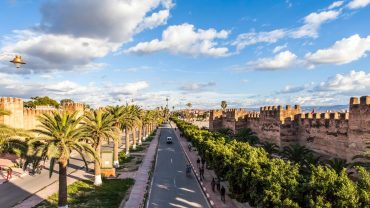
x: 18, y: 61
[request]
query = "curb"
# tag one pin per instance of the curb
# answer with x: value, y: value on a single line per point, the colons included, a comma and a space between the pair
x: 197, y: 176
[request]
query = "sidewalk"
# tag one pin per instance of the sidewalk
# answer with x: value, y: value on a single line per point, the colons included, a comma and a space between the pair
x: 43, y: 194
x: 139, y: 189
x: 17, y: 173
x: 214, y: 197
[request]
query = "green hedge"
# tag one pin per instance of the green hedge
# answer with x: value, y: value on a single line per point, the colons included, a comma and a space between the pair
x: 262, y: 181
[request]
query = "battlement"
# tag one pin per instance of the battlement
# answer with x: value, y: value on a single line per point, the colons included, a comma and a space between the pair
x: 11, y: 100
x: 36, y: 112
x: 213, y: 114
x: 75, y: 105
x: 364, y: 100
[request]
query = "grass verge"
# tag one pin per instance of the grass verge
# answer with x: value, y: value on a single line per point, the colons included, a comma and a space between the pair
x: 85, y: 194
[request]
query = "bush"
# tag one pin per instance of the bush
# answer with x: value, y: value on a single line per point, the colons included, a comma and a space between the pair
x: 263, y: 181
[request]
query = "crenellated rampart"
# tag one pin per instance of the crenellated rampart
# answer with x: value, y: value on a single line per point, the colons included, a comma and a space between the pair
x: 335, y: 134
x: 27, y: 118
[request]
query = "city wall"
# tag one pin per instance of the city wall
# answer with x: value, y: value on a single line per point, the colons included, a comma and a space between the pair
x: 27, y: 118
x: 334, y: 134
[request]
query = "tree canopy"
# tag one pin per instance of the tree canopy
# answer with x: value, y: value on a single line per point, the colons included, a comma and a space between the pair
x: 37, y: 101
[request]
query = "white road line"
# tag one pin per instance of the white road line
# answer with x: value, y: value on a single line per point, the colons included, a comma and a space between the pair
x: 171, y: 160
x: 174, y: 182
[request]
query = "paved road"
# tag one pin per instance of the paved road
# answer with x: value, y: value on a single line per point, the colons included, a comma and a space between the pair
x: 171, y: 187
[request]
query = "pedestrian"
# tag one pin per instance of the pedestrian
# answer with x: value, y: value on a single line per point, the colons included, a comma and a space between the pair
x: 223, y: 193
x: 202, y: 172
x: 198, y: 162
x: 9, y: 173
x: 189, y: 147
x: 203, y: 162
x: 218, y: 184
x: 213, y: 184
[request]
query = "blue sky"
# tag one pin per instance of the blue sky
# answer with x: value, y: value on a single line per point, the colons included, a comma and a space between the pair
x: 249, y: 53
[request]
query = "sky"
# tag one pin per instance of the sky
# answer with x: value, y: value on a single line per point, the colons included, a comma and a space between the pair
x: 248, y: 52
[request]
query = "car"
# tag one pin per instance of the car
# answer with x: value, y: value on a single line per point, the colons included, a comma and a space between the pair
x: 169, y: 140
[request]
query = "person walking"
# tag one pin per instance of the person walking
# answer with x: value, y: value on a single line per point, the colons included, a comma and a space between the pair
x: 203, y: 162
x: 201, y: 171
x: 218, y: 184
x: 198, y: 162
x: 223, y: 192
x: 213, y: 184
x: 9, y: 173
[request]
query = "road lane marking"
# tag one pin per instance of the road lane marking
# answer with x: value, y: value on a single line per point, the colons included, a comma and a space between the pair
x: 171, y: 160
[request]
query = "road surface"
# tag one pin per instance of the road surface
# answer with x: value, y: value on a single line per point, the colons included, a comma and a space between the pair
x: 171, y: 187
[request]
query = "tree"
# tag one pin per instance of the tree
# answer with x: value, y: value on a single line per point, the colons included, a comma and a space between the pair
x: 36, y: 101
x: 12, y: 139
x: 117, y: 112
x: 64, y: 101
x: 60, y: 134
x: 223, y: 104
x: 99, y: 126
x: 270, y: 147
x: 337, y: 164
x: 296, y: 153
x: 247, y: 135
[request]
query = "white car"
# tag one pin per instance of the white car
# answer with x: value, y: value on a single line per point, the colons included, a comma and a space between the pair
x: 169, y: 140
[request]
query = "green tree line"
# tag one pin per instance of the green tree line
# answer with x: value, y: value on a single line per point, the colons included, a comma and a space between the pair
x: 264, y: 181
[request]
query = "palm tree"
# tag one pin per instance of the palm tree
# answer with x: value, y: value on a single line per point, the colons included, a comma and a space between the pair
x: 127, y: 123
x: 12, y: 140
x: 135, y: 117
x: 58, y: 135
x: 223, y: 104
x: 338, y: 164
x: 296, y: 153
x: 117, y: 112
x: 270, y: 147
x: 99, y: 126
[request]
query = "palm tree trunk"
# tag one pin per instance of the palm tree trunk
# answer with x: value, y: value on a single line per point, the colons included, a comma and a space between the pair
x: 127, y: 139
x: 139, y: 136
x: 98, y: 180
x: 115, y: 153
x: 62, y: 194
x: 115, y: 149
x: 134, y: 135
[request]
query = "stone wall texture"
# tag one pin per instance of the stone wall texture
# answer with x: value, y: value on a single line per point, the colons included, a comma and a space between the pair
x: 334, y: 134
x: 27, y: 118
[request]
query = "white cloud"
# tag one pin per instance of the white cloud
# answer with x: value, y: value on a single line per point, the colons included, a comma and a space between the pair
x: 356, y: 4
x: 281, y: 60
x: 68, y: 39
x: 336, y: 4
x: 252, y: 38
x: 47, y: 52
x: 197, y: 87
x: 292, y: 89
x: 353, y: 82
x: 342, y: 52
x: 185, y: 39
x: 279, y: 48
x: 312, y: 23
x: 130, y: 88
